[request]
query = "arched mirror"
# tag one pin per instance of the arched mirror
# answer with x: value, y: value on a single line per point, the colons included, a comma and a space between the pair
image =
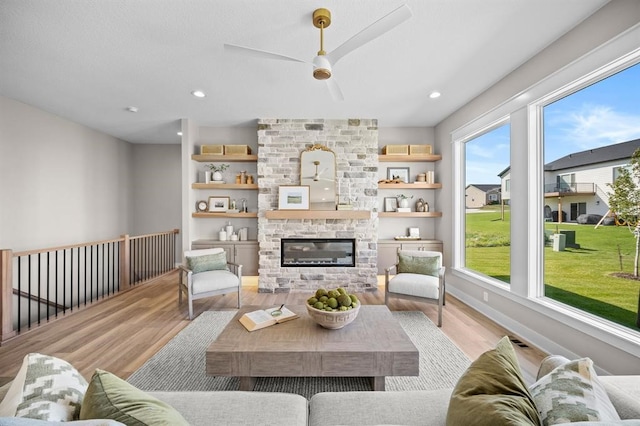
x: 318, y: 170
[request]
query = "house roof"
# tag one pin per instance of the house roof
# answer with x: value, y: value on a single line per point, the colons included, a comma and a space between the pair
x: 617, y: 151
x: 485, y: 187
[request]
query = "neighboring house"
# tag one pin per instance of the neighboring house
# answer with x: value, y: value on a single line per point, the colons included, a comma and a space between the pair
x: 505, y: 185
x: 578, y: 183
x: 478, y: 195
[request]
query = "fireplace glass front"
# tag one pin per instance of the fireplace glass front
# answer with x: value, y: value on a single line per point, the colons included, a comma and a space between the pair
x: 317, y: 252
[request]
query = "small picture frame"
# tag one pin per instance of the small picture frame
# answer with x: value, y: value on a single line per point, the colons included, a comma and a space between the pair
x: 390, y: 204
x: 401, y: 173
x: 293, y: 197
x: 218, y: 204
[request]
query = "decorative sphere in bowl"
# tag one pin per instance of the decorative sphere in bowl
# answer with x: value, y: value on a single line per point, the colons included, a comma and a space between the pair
x: 333, y: 320
x: 320, y: 245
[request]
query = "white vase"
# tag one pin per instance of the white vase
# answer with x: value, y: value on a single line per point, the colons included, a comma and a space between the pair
x: 217, y: 176
x: 207, y: 176
x: 403, y: 202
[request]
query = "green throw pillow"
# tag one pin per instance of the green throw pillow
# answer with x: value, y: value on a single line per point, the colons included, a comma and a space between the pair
x: 208, y: 262
x: 572, y: 393
x: 493, y: 392
x: 425, y: 265
x: 110, y: 397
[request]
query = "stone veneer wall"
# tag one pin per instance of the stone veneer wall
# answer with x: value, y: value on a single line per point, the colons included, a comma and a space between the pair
x: 355, y: 144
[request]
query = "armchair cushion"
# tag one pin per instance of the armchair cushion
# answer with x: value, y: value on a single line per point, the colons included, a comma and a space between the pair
x: 415, y: 285
x: 416, y: 262
x: 205, y: 282
x: 207, y: 262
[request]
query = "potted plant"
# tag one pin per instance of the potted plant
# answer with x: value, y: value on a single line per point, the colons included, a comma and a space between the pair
x: 403, y: 200
x: 217, y: 170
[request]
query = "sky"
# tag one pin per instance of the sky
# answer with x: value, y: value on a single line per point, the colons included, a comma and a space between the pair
x: 602, y: 114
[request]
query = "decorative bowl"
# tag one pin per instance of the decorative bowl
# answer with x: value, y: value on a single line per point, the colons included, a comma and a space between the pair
x: 333, y: 320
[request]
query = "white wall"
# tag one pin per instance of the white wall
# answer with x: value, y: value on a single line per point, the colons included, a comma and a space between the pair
x: 60, y: 182
x: 546, y: 328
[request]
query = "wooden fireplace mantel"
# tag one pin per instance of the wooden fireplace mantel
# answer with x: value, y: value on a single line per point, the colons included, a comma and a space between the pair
x: 318, y: 214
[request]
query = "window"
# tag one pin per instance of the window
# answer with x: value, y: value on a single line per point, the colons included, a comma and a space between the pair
x: 587, y: 135
x: 487, y: 225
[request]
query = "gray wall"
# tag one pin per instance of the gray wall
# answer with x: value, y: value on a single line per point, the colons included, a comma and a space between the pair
x: 536, y: 322
x: 61, y: 183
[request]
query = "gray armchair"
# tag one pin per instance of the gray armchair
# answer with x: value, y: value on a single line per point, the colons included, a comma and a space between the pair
x: 207, y: 273
x: 419, y: 276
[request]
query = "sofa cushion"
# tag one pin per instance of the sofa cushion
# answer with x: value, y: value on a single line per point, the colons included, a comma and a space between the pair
x: 572, y: 393
x: 208, y: 262
x: 45, y: 388
x: 109, y: 397
x: 235, y: 408
x: 380, y: 408
x: 492, y: 391
x: 624, y: 393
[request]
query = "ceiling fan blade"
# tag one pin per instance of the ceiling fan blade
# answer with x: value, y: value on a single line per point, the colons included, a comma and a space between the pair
x: 376, y: 29
x: 334, y: 89
x: 260, y: 53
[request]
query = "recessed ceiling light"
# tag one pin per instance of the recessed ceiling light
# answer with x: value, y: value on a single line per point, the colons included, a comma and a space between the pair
x: 434, y: 95
x: 132, y: 109
x: 179, y: 133
x: 198, y: 94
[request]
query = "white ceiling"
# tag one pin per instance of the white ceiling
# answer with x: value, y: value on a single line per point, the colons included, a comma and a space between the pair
x: 88, y: 60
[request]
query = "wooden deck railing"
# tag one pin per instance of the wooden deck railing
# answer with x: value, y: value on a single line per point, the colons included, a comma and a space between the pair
x: 37, y: 286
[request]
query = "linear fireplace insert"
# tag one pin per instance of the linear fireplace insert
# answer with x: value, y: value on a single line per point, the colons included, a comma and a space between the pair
x: 317, y: 252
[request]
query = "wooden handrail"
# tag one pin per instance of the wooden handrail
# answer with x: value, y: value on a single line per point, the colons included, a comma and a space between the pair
x: 155, y: 263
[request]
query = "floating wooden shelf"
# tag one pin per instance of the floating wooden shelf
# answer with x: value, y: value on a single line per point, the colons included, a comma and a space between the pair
x: 409, y: 158
x: 208, y: 158
x: 419, y: 185
x: 223, y: 186
x: 318, y: 214
x: 410, y: 214
x: 207, y: 215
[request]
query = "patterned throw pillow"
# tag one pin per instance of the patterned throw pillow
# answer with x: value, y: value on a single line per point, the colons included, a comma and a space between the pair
x: 572, y: 393
x: 45, y: 388
x: 207, y: 262
x: 425, y: 265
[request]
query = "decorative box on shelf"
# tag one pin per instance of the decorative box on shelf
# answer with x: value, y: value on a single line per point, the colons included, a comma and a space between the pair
x: 395, y: 150
x: 211, y: 149
x: 237, y: 150
x: 420, y: 149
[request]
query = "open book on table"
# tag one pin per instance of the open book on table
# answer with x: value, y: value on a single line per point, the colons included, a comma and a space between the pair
x: 266, y: 317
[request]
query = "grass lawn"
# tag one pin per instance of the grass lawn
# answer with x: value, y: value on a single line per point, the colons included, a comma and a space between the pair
x: 580, y: 277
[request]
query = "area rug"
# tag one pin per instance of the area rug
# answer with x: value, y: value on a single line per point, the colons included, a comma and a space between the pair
x: 180, y: 364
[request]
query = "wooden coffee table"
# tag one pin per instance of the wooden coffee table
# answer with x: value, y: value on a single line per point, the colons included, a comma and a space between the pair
x: 374, y: 345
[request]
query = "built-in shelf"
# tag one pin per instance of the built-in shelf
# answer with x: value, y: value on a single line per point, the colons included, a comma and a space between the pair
x: 419, y: 185
x: 223, y: 186
x: 410, y: 214
x: 409, y: 158
x: 318, y: 214
x: 207, y: 215
x: 208, y: 158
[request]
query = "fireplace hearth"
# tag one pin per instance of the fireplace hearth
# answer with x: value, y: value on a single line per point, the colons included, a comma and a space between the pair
x: 317, y: 252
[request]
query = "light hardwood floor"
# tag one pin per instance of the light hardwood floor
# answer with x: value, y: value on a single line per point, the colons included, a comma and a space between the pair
x: 119, y: 334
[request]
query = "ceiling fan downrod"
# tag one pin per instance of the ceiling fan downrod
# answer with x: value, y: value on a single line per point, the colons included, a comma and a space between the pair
x: 321, y: 19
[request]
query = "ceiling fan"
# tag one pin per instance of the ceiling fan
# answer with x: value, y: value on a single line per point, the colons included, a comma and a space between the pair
x: 317, y: 175
x: 323, y: 62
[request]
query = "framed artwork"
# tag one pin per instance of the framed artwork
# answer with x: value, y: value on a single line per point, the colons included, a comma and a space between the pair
x: 401, y: 173
x: 390, y: 204
x: 218, y: 204
x: 293, y: 197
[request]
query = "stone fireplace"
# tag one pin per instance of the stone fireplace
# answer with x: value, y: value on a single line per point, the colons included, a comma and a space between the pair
x: 355, y: 144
